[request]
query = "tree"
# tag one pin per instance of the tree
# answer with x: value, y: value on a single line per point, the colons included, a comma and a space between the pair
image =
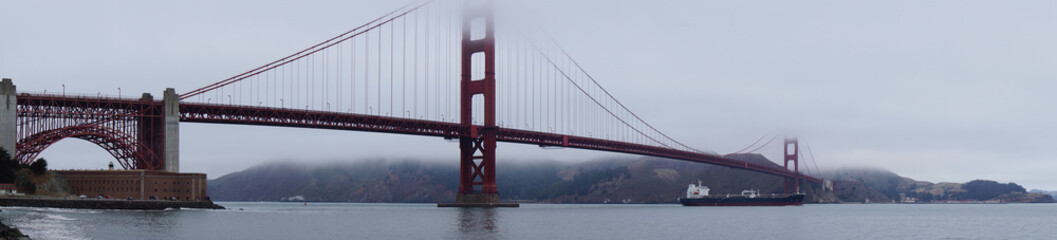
x: 39, y: 167
x: 8, y: 167
x: 4, y: 156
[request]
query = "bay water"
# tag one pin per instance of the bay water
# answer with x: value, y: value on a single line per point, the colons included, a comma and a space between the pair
x: 271, y: 220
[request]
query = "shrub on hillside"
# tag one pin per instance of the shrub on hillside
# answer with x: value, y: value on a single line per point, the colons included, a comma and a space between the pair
x: 8, y: 167
x: 39, y: 167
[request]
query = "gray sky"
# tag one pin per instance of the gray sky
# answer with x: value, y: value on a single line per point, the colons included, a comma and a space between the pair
x: 932, y: 90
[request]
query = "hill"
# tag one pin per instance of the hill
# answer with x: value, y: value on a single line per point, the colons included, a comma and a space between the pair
x: 364, y: 181
x: 634, y: 180
x: 859, y: 184
x: 1051, y: 193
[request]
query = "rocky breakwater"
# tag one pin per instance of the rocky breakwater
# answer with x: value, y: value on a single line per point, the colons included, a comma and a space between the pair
x: 106, y: 204
x: 11, y: 233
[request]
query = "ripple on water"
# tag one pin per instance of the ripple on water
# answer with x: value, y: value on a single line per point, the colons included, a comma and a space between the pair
x: 48, y: 224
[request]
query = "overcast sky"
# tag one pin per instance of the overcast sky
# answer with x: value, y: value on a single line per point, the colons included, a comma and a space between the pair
x: 932, y: 90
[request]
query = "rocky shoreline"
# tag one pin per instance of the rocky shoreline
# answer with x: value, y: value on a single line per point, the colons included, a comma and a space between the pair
x: 10, y: 232
x: 106, y: 204
x: 7, y: 232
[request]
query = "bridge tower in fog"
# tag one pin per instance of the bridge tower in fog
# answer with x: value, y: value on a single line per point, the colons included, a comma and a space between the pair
x: 792, y: 154
x: 477, y: 158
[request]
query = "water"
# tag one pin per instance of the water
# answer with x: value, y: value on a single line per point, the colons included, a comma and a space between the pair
x: 542, y: 221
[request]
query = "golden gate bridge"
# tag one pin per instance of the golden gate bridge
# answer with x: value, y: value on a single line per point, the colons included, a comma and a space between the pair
x: 430, y: 68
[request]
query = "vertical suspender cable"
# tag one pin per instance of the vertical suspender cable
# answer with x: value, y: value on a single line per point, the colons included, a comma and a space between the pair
x: 403, y: 70
x: 425, y: 71
x: 341, y: 68
x: 378, y: 103
x: 367, y: 73
x: 414, y: 93
x: 392, y: 65
x: 352, y: 75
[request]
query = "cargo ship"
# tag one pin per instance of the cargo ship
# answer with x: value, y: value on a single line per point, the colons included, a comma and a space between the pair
x: 697, y: 195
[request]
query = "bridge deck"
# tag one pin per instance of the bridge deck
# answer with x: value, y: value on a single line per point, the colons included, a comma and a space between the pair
x: 264, y: 116
x: 284, y: 117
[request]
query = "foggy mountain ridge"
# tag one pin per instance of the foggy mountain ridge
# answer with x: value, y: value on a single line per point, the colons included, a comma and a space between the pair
x: 639, y: 180
x: 632, y: 180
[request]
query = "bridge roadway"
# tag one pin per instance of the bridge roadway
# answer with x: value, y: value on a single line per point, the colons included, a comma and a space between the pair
x: 282, y: 117
x: 285, y: 117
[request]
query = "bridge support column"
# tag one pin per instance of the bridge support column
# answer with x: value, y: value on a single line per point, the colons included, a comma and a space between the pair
x: 792, y: 154
x: 477, y: 186
x: 151, y: 135
x: 8, y: 117
x: 171, y: 109
x: 159, y: 132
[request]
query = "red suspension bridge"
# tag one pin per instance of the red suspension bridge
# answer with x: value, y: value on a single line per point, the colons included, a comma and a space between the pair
x: 429, y: 68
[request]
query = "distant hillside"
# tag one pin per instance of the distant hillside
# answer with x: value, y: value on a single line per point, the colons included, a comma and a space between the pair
x: 362, y: 181
x: 1051, y: 193
x: 640, y: 180
x: 859, y: 184
x: 634, y: 180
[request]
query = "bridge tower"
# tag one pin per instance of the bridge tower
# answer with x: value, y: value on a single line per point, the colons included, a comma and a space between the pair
x: 477, y: 158
x: 792, y: 154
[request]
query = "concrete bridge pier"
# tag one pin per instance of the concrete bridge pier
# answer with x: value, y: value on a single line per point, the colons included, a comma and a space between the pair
x: 161, y: 135
x: 159, y: 132
x: 171, y: 106
x: 8, y: 124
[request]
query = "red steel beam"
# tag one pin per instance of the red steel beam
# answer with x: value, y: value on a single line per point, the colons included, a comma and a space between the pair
x: 87, y: 102
x: 263, y: 116
x: 111, y: 123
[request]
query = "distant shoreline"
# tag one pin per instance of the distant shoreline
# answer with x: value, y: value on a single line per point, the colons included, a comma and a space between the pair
x: 106, y: 204
x: 656, y: 203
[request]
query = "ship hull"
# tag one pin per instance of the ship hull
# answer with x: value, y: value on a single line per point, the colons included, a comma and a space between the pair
x: 781, y: 200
